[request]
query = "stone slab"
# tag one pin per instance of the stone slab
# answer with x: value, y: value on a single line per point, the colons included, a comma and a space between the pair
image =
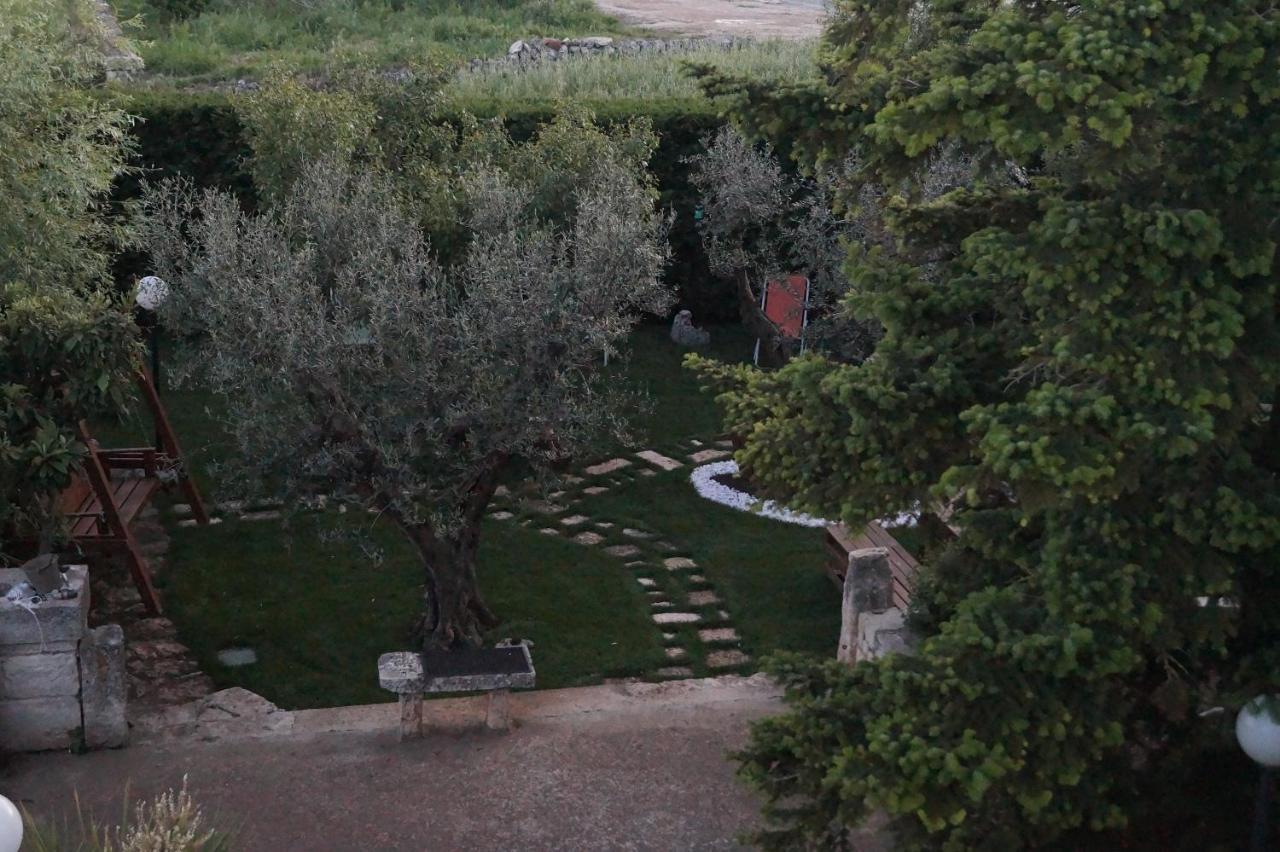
x: 647, y: 582
x: 574, y: 520
x: 549, y: 531
x: 659, y: 460
x: 727, y: 659
x: 588, y: 538
x: 679, y: 563
x: 622, y: 551
x: 405, y: 673
x: 718, y: 634
x: 595, y: 490
x: 704, y: 456
x: 676, y: 618
x: 676, y: 654
x: 104, y: 689
x: 637, y: 534
x: 675, y: 671
x: 605, y: 467
x: 39, y: 676
x: 47, y: 622
x: 501, y: 515
x: 37, y: 724
x: 703, y: 598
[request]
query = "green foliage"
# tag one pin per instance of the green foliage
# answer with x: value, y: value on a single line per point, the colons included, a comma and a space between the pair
x: 65, y: 351
x: 60, y: 147
x: 202, y: 139
x: 1081, y: 354
x: 63, y: 356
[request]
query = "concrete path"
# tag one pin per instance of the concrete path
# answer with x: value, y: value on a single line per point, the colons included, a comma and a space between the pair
x: 621, y: 766
x: 752, y: 18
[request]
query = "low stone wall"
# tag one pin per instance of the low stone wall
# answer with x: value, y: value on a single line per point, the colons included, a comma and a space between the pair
x: 528, y: 52
x: 62, y: 685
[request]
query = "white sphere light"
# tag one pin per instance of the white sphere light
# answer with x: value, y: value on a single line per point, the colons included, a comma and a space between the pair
x: 10, y: 826
x: 1258, y: 732
x: 152, y: 293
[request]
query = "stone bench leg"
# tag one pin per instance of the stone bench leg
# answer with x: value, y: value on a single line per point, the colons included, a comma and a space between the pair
x: 410, y: 716
x: 498, y: 714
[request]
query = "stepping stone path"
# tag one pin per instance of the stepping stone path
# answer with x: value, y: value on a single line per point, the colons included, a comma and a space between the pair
x: 659, y: 460
x: 680, y: 597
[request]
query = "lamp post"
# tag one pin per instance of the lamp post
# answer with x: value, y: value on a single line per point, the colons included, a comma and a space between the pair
x: 10, y: 826
x: 152, y: 292
x: 1258, y: 732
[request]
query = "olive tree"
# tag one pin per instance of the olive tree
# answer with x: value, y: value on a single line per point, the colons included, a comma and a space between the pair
x: 356, y: 366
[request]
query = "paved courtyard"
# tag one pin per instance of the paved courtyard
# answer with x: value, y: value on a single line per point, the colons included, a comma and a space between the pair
x: 619, y: 766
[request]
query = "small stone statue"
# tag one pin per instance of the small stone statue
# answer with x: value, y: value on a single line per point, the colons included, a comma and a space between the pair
x: 685, y: 333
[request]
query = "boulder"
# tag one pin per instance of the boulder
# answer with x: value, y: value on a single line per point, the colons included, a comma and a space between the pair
x: 685, y: 333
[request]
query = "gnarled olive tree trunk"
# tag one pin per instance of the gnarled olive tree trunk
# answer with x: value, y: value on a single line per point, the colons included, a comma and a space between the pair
x: 454, y: 613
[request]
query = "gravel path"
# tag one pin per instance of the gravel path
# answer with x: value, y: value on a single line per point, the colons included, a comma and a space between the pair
x: 792, y: 19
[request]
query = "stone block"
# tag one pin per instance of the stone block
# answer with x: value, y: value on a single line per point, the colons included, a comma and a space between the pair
x: 727, y: 659
x: 104, y: 689
x: 658, y: 460
x: 883, y: 633
x: 868, y: 588
x: 37, y: 724
x: 703, y: 598
x: 718, y: 634
x: 588, y: 538
x: 679, y: 563
x: 609, y: 466
x: 704, y: 456
x: 574, y: 520
x: 39, y: 676
x: 51, y: 621
x: 676, y: 618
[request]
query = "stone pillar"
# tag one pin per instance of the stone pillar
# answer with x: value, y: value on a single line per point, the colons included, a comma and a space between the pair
x: 103, y: 687
x: 868, y: 587
x: 497, y: 715
x: 39, y: 667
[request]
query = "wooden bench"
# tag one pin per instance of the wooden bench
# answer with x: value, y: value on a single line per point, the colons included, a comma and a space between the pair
x: 493, y: 670
x: 108, y: 495
x: 840, y: 542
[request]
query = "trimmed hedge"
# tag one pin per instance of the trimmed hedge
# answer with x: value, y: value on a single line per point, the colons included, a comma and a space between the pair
x: 200, y: 137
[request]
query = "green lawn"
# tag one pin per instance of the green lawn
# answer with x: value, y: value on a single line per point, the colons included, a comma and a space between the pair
x: 319, y: 609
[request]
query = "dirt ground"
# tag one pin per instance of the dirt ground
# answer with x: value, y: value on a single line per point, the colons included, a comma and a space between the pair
x: 791, y: 19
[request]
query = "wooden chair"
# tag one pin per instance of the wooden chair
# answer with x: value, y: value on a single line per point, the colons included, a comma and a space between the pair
x: 103, y: 501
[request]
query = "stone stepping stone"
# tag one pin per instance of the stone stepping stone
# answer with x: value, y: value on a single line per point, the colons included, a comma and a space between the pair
x: 704, y: 456
x: 658, y: 460
x: 647, y: 472
x: 572, y: 480
x: 181, y: 509
x: 595, y: 490
x: 542, y: 507
x: 694, y: 442
x: 640, y: 534
x: 725, y: 445
x: 555, y: 495
x: 191, y: 522
x: 549, y: 531
x: 606, y: 467
x: 574, y: 520
x: 661, y: 605
x: 603, y: 525
x: 718, y: 634
x: 697, y: 578
x: 269, y: 515
x: 668, y: 637
x: 647, y: 582
x: 501, y: 516
x: 703, y: 598
x: 676, y: 618
x: 675, y: 671
x: 678, y: 563
x: 622, y: 551
x: 677, y: 655
x: 502, y: 491
x: 639, y: 563
x: 664, y: 546
x: 656, y: 595
x: 588, y: 538
x: 724, y: 615
x: 727, y: 659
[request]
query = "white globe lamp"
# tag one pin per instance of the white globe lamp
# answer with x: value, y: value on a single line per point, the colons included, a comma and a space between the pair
x: 1258, y: 732
x: 152, y: 292
x: 10, y: 826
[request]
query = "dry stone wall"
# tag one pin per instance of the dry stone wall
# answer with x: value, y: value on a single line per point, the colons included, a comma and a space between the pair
x: 529, y: 52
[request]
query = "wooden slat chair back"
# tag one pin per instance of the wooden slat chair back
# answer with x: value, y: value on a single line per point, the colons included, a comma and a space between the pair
x: 841, y: 541
x: 101, y: 507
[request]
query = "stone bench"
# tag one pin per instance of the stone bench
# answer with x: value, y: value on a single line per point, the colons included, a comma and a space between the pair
x: 493, y: 670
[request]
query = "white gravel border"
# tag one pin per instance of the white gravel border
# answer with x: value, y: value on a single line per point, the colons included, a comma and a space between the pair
x: 716, y: 492
x: 724, y: 495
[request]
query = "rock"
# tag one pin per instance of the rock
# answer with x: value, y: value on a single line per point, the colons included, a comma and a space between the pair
x: 233, y: 703
x: 595, y: 490
x: 501, y: 515
x: 727, y: 659
x: 676, y: 654
x: 658, y: 459
x: 588, y: 538
x: 152, y: 628
x: 595, y: 42
x: 679, y: 563
x: 647, y: 582
x: 574, y: 520
x: 675, y: 671
x: 685, y: 333
x: 704, y: 456
x: 676, y: 618
x: 622, y: 551
x: 517, y: 47
x: 549, y: 531
x: 552, y: 43
x: 181, y: 509
x: 718, y: 634
x: 703, y: 598
x: 607, y: 467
